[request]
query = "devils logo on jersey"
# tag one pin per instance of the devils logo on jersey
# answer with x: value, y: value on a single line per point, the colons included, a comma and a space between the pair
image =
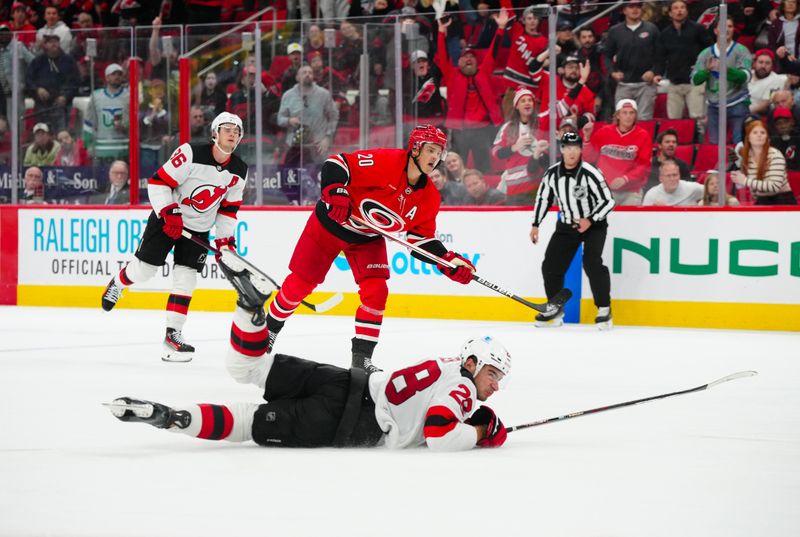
x: 205, y: 197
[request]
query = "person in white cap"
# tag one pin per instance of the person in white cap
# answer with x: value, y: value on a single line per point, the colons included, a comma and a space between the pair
x: 623, y: 151
x: 199, y: 187
x: 105, y: 124
x: 518, y: 153
x: 427, y: 103
x: 43, y: 150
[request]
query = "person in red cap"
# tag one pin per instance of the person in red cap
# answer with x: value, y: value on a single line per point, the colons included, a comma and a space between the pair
x: 764, y: 81
x: 26, y: 32
x: 785, y: 137
x: 472, y: 111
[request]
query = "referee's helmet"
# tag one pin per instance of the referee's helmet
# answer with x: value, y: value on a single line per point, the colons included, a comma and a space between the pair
x: 571, y: 138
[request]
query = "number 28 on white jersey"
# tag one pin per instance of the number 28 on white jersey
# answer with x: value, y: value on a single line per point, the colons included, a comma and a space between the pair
x: 428, y: 403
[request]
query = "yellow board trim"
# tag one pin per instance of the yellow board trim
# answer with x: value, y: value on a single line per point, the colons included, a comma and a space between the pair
x: 727, y: 315
x: 477, y: 308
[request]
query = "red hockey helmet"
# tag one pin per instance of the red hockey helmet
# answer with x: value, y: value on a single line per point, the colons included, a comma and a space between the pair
x: 427, y: 134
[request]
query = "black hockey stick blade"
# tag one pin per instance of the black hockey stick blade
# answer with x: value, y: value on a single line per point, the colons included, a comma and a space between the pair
x: 318, y: 308
x: 727, y: 378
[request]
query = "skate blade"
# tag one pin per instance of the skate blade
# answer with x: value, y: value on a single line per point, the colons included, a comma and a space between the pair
x: 605, y: 325
x: 118, y: 408
x: 177, y: 357
x: 549, y: 324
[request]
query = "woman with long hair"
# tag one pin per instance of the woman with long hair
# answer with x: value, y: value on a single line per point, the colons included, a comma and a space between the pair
x: 783, y: 35
x: 711, y: 192
x: 764, y: 168
x: 454, y: 165
x: 518, y: 153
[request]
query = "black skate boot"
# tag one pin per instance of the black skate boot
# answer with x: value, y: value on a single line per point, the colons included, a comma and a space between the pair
x: 175, y: 348
x: 253, y: 290
x: 112, y: 294
x: 362, y: 355
x: 155, y: 414
x: 550, y: 319
x: 274, y: 327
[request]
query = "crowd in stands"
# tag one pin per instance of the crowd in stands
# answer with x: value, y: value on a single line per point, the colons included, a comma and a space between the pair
x: 639, y: 83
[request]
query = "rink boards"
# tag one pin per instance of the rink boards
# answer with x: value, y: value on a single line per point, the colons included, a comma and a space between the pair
x: 699, y: 268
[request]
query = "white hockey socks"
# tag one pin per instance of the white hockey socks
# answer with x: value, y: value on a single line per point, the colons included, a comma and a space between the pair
x: 247, y: 360
x: 233, y: 423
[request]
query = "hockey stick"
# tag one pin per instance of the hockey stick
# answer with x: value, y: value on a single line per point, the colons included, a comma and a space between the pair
x: 548, y: 307
x: 732, y: 376
x: 319, y: 308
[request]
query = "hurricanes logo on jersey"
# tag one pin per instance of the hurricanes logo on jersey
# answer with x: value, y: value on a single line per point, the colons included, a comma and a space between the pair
x: 204, y: 197
x: 381, y: 216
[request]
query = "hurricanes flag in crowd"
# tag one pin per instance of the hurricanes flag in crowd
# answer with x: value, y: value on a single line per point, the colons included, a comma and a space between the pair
x: 425, y: 92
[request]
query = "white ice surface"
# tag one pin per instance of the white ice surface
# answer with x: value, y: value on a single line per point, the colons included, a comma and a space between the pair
x: 722, y: 462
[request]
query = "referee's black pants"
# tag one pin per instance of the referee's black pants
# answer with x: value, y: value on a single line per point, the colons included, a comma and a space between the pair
x: 561, y: 250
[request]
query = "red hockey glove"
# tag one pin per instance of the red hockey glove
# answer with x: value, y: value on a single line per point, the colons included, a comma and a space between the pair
x: 338, y: 200
x: 227, y: 243
x: 495, y: 430
x: 462, y: 273
x: 173, y: 221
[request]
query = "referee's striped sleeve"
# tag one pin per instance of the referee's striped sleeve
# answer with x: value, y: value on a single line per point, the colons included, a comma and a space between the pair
x: 544, y: 197
x: 599, y: 189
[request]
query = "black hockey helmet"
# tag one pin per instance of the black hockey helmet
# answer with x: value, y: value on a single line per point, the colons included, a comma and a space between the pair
x: 571, y: 138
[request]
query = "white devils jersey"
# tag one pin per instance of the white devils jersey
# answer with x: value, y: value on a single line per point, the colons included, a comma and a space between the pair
x: 426, y: 403
x: 207, y: 192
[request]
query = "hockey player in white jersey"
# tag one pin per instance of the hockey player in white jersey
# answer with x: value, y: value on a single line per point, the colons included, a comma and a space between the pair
x: 308, y: 404
x: 199, y: 187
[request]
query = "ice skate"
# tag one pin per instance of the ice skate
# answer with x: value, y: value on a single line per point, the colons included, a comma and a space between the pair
x: 550, y: 319
x: 253, y: 289
x: 603, y: 319
x: 364, y: 362
x: 155, y: 414
x: 175, y: 348
x: 111, y: 295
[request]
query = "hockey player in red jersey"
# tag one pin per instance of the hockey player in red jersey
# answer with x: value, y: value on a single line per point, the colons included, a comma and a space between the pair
x: 390, y: 189
x: 436, y: 402
x: 198, y: 188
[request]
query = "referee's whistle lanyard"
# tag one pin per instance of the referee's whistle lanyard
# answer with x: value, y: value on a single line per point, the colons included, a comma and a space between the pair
x: 578, y: 178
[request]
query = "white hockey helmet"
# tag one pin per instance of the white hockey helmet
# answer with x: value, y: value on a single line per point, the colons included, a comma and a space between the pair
x: 486, y: 351
x: 223, y: 119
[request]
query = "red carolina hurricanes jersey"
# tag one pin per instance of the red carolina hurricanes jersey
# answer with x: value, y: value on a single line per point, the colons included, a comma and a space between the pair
x: 380, y: 193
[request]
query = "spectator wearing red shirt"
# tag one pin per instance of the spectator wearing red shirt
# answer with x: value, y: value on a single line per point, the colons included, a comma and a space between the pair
x: 518, y: 153
x: 526, y: 44
x: 19, y: 24
x: 472, y: 110
x: 72, y: 151
x: 623, y: 151
x: 575, y: 99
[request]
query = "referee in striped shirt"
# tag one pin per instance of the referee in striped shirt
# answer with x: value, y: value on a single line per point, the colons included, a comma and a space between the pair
x: 585, y: 201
